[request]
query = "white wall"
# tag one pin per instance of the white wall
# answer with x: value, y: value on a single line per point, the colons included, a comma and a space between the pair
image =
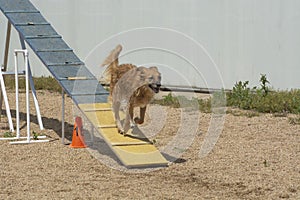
x: 207, y: 43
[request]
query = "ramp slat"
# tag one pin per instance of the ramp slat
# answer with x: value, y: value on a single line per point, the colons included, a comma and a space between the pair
x: 107, y: 126
x: 37, y: 31
x: 16, y: 5
x: 89, y: 98
x: 94, y: 106
x: 58, y: 58
x: 82, y: 87
x: 140, y: 155
x: 26, y: 18
x: 99, y: 118
x: 62, y: 72
x: 112, y: 136
x: 47, y: 43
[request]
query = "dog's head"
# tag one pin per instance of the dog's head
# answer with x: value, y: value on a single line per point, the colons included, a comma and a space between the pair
x: 151, y: 77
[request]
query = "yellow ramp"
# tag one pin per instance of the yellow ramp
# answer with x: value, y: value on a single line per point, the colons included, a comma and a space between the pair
x: 139, y: 155
x: 134, y: 150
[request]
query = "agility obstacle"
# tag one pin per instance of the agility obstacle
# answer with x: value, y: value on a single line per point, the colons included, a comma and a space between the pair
x: 28, y: 78
x: 78, y: 83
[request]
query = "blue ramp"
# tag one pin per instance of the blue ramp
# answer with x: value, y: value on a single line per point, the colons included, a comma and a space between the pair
x: 78, y: 82
x: 52, y: 50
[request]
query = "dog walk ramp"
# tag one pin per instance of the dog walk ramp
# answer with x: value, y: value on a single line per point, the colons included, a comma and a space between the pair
x: 134, y: 149
x: 78, y: 82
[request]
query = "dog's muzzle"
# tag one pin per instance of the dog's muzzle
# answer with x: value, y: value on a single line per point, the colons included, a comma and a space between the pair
x: 155, y: 87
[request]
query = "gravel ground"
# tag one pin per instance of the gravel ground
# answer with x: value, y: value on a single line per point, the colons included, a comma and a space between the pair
x: 254, y: 158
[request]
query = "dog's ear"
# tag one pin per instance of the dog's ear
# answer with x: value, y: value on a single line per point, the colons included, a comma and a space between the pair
x: 153, y: 68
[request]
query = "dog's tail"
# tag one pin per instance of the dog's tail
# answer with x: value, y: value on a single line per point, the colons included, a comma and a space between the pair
x: 112, y: 62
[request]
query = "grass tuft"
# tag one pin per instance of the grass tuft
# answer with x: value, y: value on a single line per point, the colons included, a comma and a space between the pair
x: 8, y: 134
x: 264, y: 99
x: 40, y: 83
x: 182, y: 102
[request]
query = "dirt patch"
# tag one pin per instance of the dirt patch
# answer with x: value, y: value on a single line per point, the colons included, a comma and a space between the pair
x: 255, y: 157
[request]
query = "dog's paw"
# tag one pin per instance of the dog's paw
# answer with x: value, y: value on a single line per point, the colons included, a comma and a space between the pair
x: 119, y: 125
x: 121, y: 131
x: 132, y: 125
x: 126, y: 128
x: 138, y: 120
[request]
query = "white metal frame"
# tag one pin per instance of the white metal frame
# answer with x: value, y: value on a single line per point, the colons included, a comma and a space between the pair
x: 4, y: 96
x: 28, y: 78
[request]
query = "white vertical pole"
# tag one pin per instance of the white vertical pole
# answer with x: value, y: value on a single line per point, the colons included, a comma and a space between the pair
x: 92, y: 134
x: 8, y: 33
x: 4, y: 94
x: 17, y: 97
x: 27, y: 95
x: 63, y: 117
x: 32, y: 88
x: 35, y: 100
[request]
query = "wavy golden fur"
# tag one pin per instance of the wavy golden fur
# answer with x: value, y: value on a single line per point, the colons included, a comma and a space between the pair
x: 135, y: 85
x: 114, y: 71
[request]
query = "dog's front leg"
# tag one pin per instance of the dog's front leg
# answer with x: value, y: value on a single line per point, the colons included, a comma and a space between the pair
x: 127, y: 121
x: 142, y: 116
x: 116, y: 109
x: 132, y: 123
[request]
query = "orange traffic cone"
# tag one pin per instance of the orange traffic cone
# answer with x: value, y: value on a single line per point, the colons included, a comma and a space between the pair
x: 78, y: 139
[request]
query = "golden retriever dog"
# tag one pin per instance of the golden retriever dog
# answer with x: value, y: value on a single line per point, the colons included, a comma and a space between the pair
x: 133, y: 85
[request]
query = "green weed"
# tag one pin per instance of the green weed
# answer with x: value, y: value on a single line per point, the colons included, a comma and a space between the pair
x: 205, y: 105
x: 241, y: 96
x: 263, y: 84
x: 35, y: 135
x: 168, y: 100
x: 8, y: 134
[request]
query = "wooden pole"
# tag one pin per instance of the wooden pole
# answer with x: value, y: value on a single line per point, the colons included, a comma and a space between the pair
x: 8, y: 33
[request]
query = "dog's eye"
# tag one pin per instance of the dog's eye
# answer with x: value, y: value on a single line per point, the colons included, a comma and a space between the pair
x: 150, y: 77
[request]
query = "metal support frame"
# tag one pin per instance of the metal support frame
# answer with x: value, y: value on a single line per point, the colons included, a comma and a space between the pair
x: 29, y: 80
x: 27, y: 77
x: 7, y: 40
x: 3, y: 94
x: 37, y: 108
x: 4, y: 97
x: 8, y: 33
x: 92, y: 134
x: 62, y: 116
